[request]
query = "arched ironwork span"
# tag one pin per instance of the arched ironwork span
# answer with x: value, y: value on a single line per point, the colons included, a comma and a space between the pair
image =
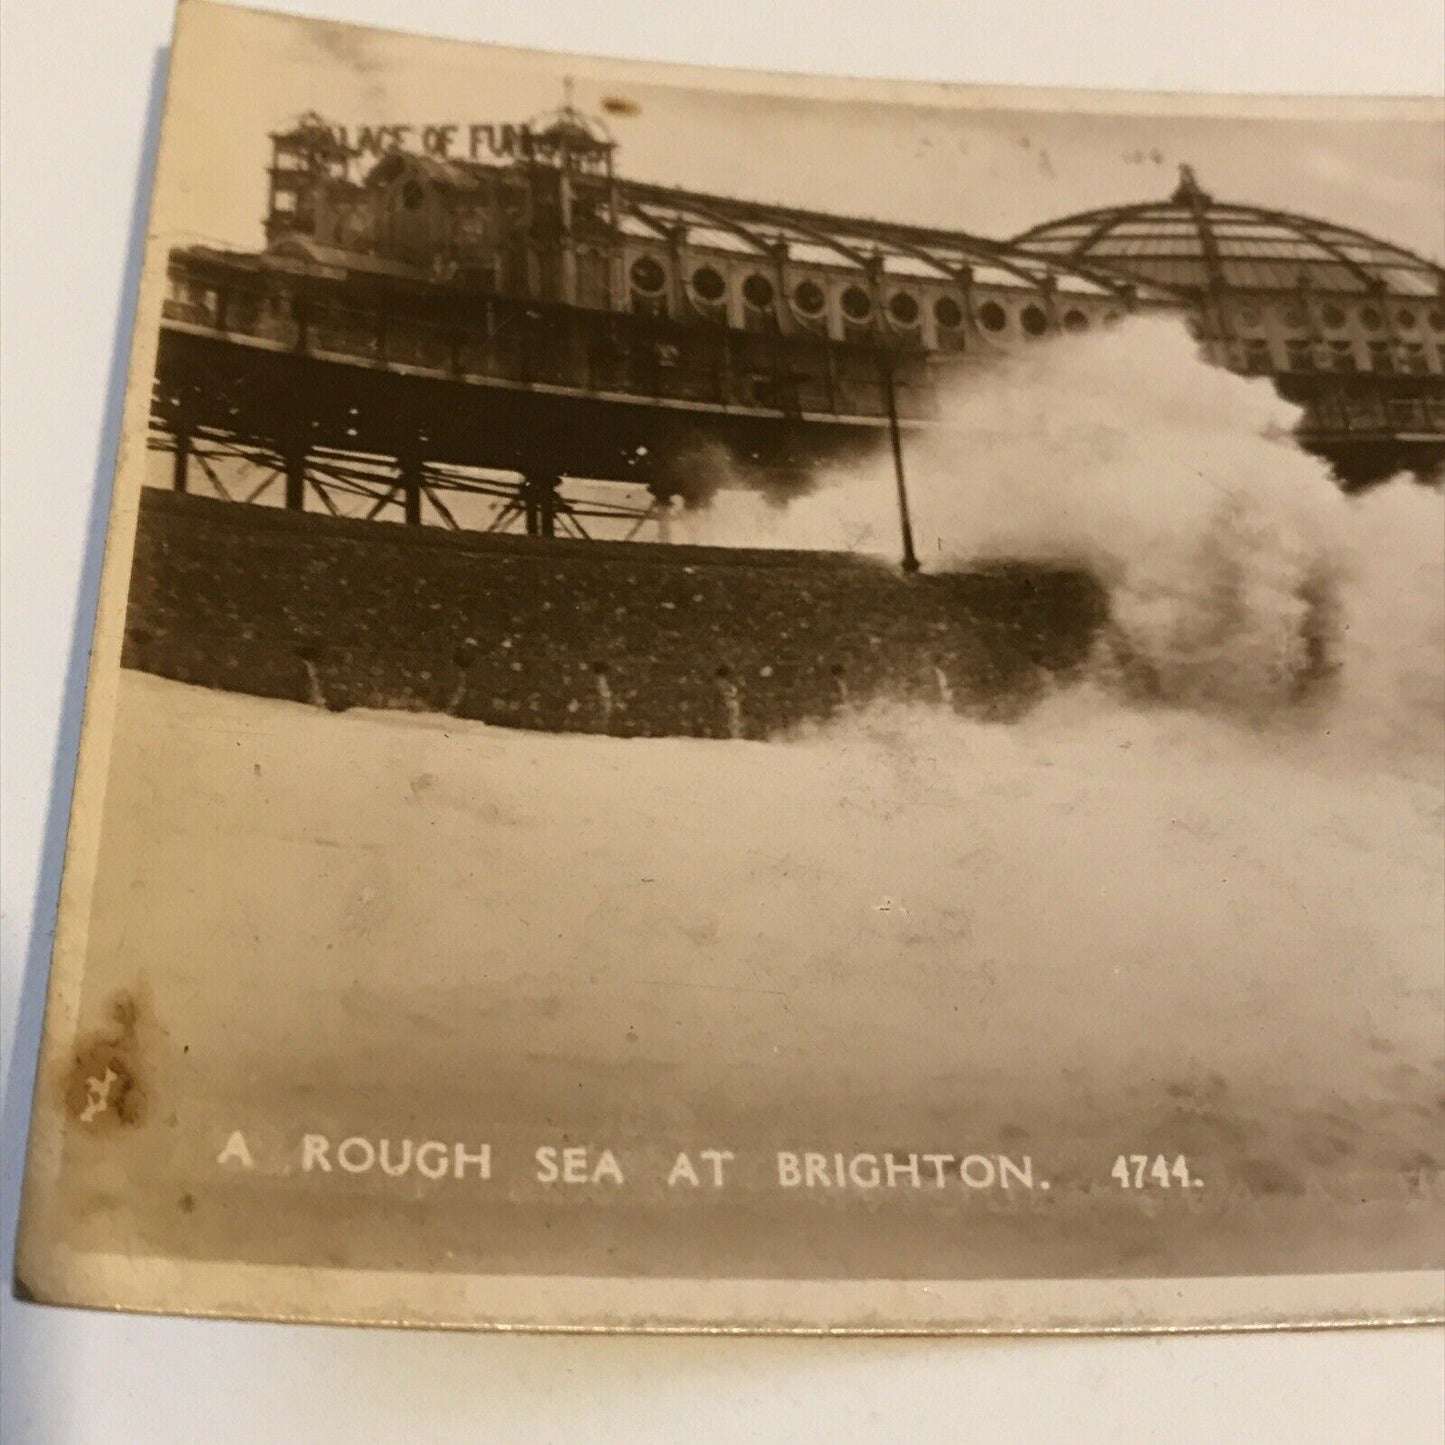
x: 1192, y: 240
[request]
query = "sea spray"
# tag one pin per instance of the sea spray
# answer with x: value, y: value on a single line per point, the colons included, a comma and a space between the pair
x: 1222, y: 543
x: 1215, y: 861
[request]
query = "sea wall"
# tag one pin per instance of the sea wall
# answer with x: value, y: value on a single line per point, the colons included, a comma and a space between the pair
x: 625, y: 638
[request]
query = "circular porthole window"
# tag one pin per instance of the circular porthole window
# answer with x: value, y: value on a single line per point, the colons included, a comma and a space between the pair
x: 648, y: 275
x: 709, y: 284
x: 857, y: 304
x: 1034, y: 320
x: 992, y: 316
x: 903, y: 308
x: 1371, y: 318
x: 808, y: 297
x: 1248, y: 316
x: 758, y: 292
x: 1437, y: 320
x: 1294, y: 314
x: 1333, y: 315
x: 948, y: 313
x: 1406, y: 318
x: 1075, y: 320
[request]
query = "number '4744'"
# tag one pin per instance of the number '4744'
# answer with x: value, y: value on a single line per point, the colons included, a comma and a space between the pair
x: 1156, y: 1171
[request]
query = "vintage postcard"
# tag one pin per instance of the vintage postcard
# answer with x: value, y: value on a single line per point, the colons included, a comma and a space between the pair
x: 741, y: 702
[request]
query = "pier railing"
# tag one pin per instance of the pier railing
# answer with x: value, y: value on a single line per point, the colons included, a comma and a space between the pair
x: 519, y: 343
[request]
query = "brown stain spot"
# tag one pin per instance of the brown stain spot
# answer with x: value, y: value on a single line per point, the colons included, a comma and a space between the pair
x: 103, y: 1088
x: 620, y: 105
x: 187, y: 1203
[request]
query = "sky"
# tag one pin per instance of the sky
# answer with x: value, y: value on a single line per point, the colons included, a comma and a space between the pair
x: 993, y: 163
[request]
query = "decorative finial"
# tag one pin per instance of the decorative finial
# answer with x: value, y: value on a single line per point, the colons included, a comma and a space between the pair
x: 1189, y: 191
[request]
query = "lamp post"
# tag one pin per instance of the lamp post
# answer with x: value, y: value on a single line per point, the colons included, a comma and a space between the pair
x: 895, y: 436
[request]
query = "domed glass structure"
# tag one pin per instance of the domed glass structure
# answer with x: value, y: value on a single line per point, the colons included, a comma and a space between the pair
x: 1349, y: 328
x: 1195, y: 243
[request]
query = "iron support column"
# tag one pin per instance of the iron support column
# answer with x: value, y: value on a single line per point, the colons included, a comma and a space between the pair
x: 529, y: 504
x: 296, y: 477
x: 411, y: 470
x: 539, y: 496
x: 181, y: 461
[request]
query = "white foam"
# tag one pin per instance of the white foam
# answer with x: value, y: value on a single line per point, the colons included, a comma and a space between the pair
x: 1235, y: 564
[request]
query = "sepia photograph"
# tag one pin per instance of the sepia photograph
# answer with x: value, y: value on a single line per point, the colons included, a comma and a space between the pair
x: 745, y: 702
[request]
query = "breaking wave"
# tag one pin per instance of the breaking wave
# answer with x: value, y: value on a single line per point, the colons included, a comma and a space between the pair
x: 1241, y: 577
